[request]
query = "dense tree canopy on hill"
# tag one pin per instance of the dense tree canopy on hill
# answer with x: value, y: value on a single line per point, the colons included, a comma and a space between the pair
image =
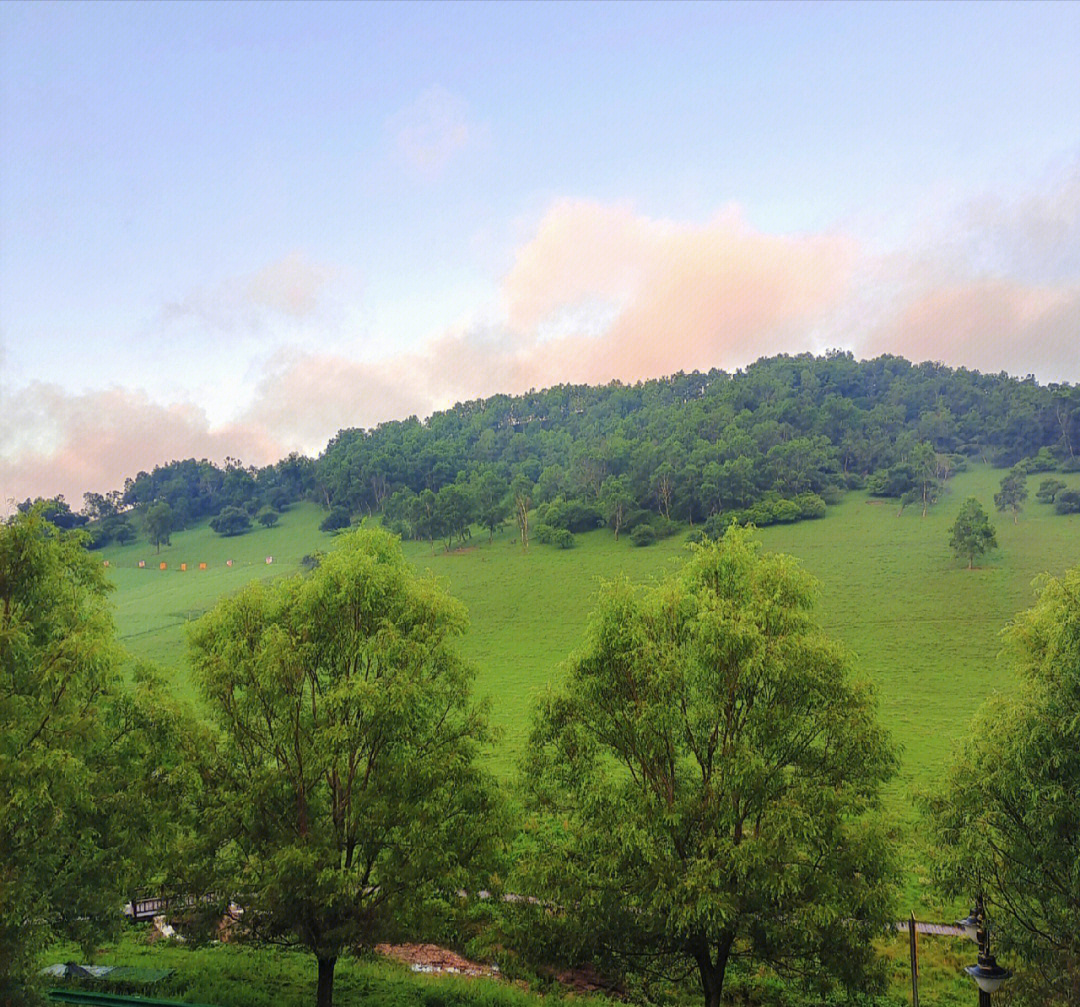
x: 686, y: 447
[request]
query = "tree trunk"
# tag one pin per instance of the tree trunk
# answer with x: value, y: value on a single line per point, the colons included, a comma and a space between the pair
x: 712, y: 972
x: 325, y: 995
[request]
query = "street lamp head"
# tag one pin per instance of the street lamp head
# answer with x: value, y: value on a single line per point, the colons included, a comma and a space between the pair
x: 988, y: 974
x: 970, y: 926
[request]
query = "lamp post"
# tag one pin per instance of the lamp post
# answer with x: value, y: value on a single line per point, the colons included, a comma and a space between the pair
x: 986, y: 972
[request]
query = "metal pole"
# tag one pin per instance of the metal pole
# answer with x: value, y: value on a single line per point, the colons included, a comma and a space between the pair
x: 983, y: 938
x: 914, y: 942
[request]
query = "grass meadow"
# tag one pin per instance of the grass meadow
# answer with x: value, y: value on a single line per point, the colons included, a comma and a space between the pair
x: 920, y: 625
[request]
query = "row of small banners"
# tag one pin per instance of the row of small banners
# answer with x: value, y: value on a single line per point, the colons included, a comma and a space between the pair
x: 183, y: 566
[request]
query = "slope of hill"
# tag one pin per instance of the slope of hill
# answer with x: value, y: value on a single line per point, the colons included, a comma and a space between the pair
x: 923, y: 628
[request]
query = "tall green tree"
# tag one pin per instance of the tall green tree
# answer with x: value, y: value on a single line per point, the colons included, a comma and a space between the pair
x: 521, y: 491
x: 1013, y: 492
x: 344, y: 793
x: 1008, y: 819
x: 703, y: 783
x: 159, y: 524
x: 972, y: 532
x: 491, y: 503
x: 617, y: 501
x: 78, y: 754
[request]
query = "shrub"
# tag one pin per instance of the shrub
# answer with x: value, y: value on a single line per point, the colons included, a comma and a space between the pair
x: 563, y: 538
x: 810, y: 505
x: 1044, y: 461
x: 642, y: 535
x: 572, y: 515
x: 231, y: 521
x: 545, y: 534
x: 1067, y: 502
x: 338, y: 517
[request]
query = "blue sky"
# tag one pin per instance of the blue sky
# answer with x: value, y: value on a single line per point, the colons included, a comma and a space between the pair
x: 235, y: 228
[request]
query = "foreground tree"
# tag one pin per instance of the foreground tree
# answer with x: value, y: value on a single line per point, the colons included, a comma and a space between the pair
x: 77, y: 754
x: 344, y: 794
x: 972, y: 532
x: 703, y: 783
x: 1008, y: 820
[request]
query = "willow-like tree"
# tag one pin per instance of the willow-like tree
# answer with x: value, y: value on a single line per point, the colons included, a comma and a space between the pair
x: 1008, y: 818
x: 704, y: 784
x: 82, y: 760
x: 344, y: 793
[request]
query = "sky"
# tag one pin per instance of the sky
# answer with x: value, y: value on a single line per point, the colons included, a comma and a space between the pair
x: 232, y: 229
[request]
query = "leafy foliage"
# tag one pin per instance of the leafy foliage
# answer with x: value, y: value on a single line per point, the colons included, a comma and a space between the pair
x: 1009, y: 817
x: 701, y: 784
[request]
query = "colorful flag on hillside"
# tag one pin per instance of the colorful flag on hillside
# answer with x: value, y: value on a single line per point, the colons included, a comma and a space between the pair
x: 163, y: 565
x: 269, y: 559
x: 106, y: 562
x: 142, y: 563
x: 183, y: 566
x: 228, y: 562
x: 202, y: 566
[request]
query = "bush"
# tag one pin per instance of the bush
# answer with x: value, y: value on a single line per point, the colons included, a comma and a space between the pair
x: 643, y: 535
x: 573, y: 515
x: 1044, y: 461
x: 1071, y: 464
x: 1067, y: 502
x: 231, y: 521
x: 338, y: 518
x: 545, y: 534
x: 810, y: 505
x: 563, y: 539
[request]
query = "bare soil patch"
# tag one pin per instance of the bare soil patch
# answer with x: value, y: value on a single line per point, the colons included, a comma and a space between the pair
x: 432, y: 958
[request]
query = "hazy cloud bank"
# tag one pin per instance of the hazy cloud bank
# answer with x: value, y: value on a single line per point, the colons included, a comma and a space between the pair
x: 598, y: 292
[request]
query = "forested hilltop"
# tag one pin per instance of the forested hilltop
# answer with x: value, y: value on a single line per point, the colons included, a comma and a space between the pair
x: 777, y: 441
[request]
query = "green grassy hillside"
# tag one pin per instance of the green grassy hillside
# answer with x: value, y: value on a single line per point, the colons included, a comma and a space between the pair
x: 922, y: 627
x: 153, y: 606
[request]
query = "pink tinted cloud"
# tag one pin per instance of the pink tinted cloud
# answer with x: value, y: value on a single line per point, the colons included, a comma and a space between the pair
x: 291, y: 285
x: 988, y: 324
x: 93, y: 441
x: 683, y: 296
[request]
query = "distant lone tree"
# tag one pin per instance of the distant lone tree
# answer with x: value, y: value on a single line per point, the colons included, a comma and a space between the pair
x: 268, y: 517
x: 972, y: 532
x: 159, y: 524
x: 1013, y: 492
